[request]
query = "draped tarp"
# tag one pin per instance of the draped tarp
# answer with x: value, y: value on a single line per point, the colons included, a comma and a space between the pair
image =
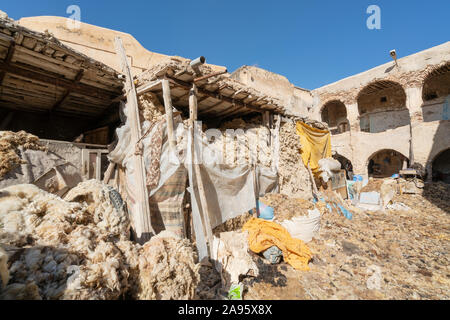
x: 230, y: 190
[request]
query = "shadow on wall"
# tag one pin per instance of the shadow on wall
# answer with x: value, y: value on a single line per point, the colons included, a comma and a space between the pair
x: 436, y: 97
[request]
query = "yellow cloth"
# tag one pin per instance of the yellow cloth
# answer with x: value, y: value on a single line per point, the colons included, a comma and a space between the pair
x: 316, y: 145
x: 265, y: 234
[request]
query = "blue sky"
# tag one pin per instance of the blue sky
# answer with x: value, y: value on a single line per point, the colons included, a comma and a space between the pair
x: 312, y: 43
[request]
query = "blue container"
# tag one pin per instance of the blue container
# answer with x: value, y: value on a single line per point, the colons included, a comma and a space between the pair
x: 265, y: 212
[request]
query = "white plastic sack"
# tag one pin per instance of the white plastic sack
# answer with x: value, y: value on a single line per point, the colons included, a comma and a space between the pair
x: 328, y: 167
x: 304, y: 228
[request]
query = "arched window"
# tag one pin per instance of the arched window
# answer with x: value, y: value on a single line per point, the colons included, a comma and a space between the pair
x: 441, y: 167
x: 435, y: 93
x: 334, y: 113
x: 382, y: 106
x: 437, y: 83
x: 385, y: 163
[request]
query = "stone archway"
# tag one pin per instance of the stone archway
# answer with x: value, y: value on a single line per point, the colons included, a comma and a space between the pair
x: 386, y: 162
x: 382, y: 106
x: 441, y: 167
x: 334, y: 113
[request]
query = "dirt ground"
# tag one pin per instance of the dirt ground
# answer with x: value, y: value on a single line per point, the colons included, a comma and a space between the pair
x: 376, y: 255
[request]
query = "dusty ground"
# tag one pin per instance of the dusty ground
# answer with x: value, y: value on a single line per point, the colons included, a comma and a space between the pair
x: 380, y: 255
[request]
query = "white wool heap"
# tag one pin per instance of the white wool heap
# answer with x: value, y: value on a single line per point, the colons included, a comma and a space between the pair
x: 79, y: 250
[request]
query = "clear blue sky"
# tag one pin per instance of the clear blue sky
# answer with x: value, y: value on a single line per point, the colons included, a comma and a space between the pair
x: 312, y: 43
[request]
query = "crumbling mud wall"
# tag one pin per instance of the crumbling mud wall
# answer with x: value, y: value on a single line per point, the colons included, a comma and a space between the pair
x: 59, y: 249
x: 294, y: 178
x: 10, y: 144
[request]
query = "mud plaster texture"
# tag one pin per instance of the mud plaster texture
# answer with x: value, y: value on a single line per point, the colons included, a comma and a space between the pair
x: 294, y: 178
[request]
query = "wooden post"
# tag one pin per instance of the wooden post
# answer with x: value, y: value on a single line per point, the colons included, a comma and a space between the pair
x: 169, y: 114
x: 142, y: 216
x: 198, y: 182
x: 109, y: 172
x: 276, y: 144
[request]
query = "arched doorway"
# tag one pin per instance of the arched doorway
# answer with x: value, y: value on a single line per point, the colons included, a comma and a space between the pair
x: 436, y: 89
x: 441, y: 167
x: 382, y: 106
x: 334, y: 113
x: 345, y: 164
x: 385, y: 163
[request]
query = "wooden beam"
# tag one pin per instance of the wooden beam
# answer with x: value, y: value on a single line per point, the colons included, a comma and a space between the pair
x: 148, y: 87
x: 57, y: 82
x: 9, y: 55
x: 196, y: 174
x: 67, y: 93
x: 169, y: 114
x: 218, y: 96
x: 142, y: 221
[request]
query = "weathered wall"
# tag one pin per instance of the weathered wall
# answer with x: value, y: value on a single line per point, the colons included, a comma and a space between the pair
x: 402, y: 113
x: 296, y: 100
x: 97, y: 42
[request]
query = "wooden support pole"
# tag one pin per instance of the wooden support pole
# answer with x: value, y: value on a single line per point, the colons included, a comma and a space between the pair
x: 109, y: 172
x: 198, y: 182
x: 169, y: 114
x: 142, y: 215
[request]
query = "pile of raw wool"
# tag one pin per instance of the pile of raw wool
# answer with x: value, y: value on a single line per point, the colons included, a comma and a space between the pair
x: 10, y: 142
x: 286, y: 208
x: 168, y: 269
x: 250, y: 144
x: 294, y: 177
x: 150, y: 107
x: 79, y: 250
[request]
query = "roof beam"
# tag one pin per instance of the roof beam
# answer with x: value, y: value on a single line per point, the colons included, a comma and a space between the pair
x: 218, y: 96
x: 68, y: 91
x: 9, y: 55
x: 58, y: 82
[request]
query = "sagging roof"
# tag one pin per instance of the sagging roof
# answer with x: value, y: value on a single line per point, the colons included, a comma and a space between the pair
x: 40, y: 74
x: 218, y: 96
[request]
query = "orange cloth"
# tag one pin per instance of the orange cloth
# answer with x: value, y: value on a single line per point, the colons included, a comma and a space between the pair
x: 265, y: 234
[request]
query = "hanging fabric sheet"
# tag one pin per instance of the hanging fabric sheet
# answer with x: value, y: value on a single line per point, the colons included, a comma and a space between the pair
x: 316, y: 145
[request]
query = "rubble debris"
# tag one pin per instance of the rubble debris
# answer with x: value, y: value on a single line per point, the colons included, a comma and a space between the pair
x: 378, y: 255
x: 10, y: 144
x: 285, y: 207
x: 78, y: 250
x: 374, y: 185
x: 234, y: 224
